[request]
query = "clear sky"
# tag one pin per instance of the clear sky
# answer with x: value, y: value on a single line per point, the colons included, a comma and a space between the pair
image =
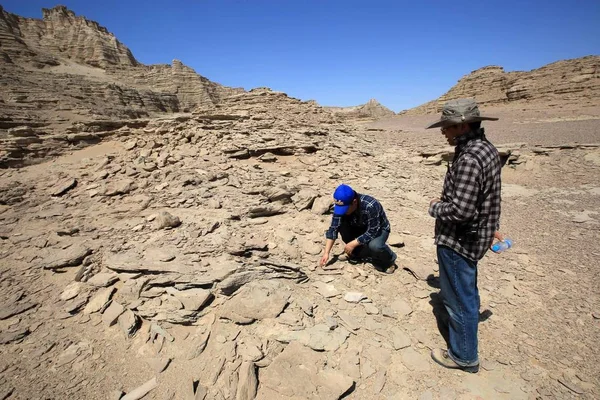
x: 344, y: 52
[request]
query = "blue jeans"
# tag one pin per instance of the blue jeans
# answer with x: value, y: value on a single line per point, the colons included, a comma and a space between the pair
x: 380, y: 253
x: 458, y: 284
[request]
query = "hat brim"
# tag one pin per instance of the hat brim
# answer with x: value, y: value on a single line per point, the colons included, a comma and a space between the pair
x: 340, y: 210
x: 455, y: 121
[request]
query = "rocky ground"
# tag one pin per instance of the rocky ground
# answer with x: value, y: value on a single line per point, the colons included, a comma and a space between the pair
x: 179, y: 260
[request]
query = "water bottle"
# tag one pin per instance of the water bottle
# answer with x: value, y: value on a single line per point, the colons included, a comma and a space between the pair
x: 499, y: 247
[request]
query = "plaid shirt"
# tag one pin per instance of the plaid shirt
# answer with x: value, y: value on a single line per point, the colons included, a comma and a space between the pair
x: 471, y: 195
x: 370, y: 215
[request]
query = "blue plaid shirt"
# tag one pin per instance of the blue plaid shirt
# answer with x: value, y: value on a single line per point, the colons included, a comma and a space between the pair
x: 370, y: 215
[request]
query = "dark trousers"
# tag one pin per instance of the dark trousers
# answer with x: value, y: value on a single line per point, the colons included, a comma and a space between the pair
x: 379, y: 252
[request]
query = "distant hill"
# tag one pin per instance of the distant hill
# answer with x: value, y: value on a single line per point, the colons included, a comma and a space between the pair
x: 371, y: 110
x: 66, y: 64
x: 566, y: 82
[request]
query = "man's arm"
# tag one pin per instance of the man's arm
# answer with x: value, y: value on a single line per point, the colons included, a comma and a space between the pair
x: 467, y: 184
x: 331, y: 235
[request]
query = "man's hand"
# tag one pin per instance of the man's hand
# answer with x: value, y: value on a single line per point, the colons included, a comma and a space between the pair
x: 432, y: 202
x: 498, y: 236
x: 349, y: 248
x: 324, y: 259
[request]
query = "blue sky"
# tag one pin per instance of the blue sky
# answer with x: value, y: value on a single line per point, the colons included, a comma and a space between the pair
x: 403, y: 53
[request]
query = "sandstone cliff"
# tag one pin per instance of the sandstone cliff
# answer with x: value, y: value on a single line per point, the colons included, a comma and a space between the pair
x: 566, y: 82
x: 65, y: 62
x: 60, y: 34
x: 370, y: 110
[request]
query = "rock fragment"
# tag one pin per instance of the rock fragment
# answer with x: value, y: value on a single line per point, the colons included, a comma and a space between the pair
x: 63, y: 186
x: 142, y: 390
x: 165, y: 220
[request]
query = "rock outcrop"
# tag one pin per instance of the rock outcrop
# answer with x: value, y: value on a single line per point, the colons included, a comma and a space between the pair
x: 370, y: 110
x: 65, y: 76
x: 60, y: 34
x: 568, y: 82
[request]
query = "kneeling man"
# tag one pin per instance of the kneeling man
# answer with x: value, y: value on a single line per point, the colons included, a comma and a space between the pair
x: 364, y: 227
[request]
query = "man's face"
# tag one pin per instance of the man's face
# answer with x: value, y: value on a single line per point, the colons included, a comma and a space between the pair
x: 352, y: 207
x: 452, y: 132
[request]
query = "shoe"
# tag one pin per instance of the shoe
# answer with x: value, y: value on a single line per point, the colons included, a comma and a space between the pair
x: 389, y: 270
x: 351, y: 260
x: 441, y: 357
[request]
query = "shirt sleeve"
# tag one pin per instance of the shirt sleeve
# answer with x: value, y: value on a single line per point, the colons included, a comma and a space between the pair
x: 332, y: 232
x: 373, y: 224
x: 462, y: 205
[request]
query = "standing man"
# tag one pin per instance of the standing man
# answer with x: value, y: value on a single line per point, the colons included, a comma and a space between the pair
x: 364, y: 227
x: 467, y: 220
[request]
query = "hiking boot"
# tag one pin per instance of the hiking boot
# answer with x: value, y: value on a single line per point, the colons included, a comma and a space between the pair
x: 441, y: 357
x: 350, y: 259
x: 389, y: 270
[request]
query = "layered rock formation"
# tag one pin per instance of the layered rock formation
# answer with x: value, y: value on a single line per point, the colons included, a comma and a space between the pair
x: 60, y: 34
x: 370, y: 110
x: 568, y: 82
x: 65, y: 69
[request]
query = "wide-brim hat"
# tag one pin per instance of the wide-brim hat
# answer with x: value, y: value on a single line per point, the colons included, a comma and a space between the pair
x: 460, y: 111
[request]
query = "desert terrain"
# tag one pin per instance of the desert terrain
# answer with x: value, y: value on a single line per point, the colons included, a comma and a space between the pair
x: 166, y: 246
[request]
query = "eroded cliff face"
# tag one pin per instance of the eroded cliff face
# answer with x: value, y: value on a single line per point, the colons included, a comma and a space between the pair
x: 64, y: 72
x: 64, y: 61
x: 61, y: 34
x: 568, y: 82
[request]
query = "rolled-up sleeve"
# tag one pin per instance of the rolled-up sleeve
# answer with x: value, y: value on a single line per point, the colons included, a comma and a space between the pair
x: 332, y: 232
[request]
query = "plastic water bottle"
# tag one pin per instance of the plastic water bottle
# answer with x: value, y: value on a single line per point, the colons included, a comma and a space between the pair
x: 499, y: 247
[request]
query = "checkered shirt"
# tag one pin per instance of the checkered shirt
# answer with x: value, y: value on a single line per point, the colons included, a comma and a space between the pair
x: 370, y: 215
x: 471, y: 194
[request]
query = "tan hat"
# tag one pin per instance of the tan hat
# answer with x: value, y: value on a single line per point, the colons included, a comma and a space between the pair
x: 460, y: 111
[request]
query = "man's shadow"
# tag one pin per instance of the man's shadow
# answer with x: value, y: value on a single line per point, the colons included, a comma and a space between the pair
x: 439, y: 309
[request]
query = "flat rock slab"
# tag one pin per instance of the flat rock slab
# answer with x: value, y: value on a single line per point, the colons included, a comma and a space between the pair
x: 192, y: 299
x: 158, y: 364
x: 131, y: 262
x: 350, y: 321
x: 326, y: 290
x: 256, y: 301
x: 14, y: 336
x: 415, y: 361
x: 354, y: 297
x: 63, y: 186
x: 112, y: 313
x: 10, y: 310
x: 69, y: 257
x: 182, y: 270
x: 265, y: 211
x: 119, y: 187
x: 103, y: 279
x: 319, y: 337
x: 247, y: 381
x: 300, y: 373
x: 99, y: 301
x: 401, y: 307
x: 400, y: 339
x: 71, y: 291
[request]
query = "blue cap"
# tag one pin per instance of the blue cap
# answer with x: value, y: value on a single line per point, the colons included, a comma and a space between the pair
x: 342, y: 199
